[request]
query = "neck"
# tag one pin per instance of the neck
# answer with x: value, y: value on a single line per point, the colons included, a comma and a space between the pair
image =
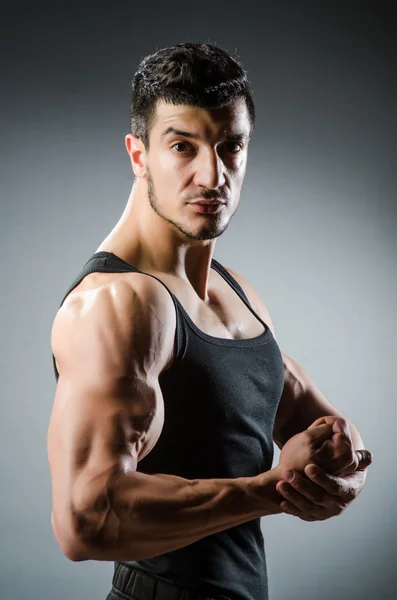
x: 150, y: 243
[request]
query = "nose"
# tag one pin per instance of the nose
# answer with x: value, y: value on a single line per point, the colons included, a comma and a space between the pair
x: 209, y: 172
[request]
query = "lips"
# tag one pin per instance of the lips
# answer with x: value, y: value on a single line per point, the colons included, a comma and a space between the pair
x: 208, y: 202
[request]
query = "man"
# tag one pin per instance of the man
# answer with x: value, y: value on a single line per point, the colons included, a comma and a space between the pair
x: 171, y: 387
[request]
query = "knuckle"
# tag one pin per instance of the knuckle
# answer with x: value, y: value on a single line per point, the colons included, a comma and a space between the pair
x: 338, y: 510
x: 339, y: 488
x: 339, y: 491
x: 351, y: 495
x: 345, y: 459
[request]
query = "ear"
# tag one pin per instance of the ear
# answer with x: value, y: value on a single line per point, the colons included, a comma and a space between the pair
x: 137, y: 154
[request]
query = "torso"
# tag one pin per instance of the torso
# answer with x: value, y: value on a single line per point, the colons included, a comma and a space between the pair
x: 224, y: 316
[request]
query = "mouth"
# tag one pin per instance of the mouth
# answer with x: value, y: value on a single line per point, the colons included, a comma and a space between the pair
x: 207, y: 207
x: 208, y: 202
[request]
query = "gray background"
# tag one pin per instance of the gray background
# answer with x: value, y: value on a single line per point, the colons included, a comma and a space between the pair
x: 314, y: 233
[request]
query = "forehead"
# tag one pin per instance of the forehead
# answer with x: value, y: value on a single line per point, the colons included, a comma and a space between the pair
x: 214, y: 120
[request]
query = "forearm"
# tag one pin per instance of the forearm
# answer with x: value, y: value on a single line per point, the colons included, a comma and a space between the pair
x: 148, y: 515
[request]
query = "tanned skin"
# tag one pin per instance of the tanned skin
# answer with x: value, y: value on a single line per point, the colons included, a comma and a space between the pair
x: 111, y: 345
x: 112, y: 340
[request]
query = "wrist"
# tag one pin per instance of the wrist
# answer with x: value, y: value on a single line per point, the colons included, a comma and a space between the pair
x: 264, y: 496
x: 277, y: 472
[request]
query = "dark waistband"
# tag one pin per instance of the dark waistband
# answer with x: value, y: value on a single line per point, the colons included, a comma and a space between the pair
x: 135, y: 583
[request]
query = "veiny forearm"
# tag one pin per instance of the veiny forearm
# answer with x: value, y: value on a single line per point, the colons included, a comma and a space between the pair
x: 140, y: 516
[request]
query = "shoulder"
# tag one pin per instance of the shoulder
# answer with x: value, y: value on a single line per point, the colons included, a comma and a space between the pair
x: 118, y: 297
x: 119, y: 286
x: 255, y: 299
x: 116, y: 310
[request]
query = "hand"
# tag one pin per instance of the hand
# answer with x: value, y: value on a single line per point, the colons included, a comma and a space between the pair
x: 308, y: 447
x: 336, y: 454
x: 317, y: 495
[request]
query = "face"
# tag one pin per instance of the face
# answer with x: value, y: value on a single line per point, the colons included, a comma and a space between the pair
x: 195, y: 154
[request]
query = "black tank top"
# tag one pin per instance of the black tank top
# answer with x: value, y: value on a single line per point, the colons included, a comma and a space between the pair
x: 220, y: 401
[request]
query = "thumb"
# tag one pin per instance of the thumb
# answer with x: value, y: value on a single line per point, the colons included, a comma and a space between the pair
x: 364, y: 459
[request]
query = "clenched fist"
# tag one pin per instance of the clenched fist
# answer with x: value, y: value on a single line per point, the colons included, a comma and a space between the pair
x: 304, y: 448
x: 316, y: 494
x: 336, y: 455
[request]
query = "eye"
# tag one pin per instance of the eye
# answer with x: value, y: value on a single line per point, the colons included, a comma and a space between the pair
x: 184, y: 146
x: 230, y: 147
x: 237, y: 147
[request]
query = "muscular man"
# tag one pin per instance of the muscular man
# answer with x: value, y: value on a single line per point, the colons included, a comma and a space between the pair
x: 171, y: 386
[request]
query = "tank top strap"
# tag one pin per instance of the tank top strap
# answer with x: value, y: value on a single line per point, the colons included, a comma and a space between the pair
x: 230, y: 280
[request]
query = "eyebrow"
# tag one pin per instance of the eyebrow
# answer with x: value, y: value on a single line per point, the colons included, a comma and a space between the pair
x: 195, y: 136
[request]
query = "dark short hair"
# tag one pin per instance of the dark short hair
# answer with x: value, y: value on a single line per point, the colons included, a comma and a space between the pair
x: 200, y: 75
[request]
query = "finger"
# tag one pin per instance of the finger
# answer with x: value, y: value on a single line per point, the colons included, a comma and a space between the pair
x: 329, y: 420
x: 341, y: 425
x: 320, y: 433
x: 338, y: 424
x: 361, y: 459
x: 342, y: 467
x: 290, y: 509
x: 340, y: 440
x: 332, y: 484
x: 335, y: 455
x: 312, y: 492
x: 295, y: 498
x: 364, y: 459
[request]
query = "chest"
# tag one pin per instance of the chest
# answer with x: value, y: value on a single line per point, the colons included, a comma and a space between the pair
x: 224, y: 315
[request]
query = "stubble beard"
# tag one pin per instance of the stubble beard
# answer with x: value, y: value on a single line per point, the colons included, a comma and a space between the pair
x: 210, y: 232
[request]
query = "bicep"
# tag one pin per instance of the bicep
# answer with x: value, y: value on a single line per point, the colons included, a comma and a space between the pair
x: 107, y: 410
x: 95, y: 432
